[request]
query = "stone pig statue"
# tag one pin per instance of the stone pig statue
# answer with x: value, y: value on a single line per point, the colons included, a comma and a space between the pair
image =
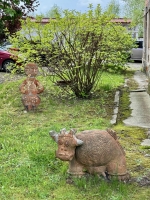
x: 94, y: 151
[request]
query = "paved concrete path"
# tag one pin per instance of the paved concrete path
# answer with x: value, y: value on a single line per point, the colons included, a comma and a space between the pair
x: 140, y: 106
x: 140, y: 102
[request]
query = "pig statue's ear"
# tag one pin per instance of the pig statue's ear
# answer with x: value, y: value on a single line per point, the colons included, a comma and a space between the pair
x: 54, y: 135
x: 79, y: 142
x: 72, y: 131
x: 63, y: 131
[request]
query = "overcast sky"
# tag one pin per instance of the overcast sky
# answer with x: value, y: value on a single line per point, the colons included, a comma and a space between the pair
x: 79, y: 5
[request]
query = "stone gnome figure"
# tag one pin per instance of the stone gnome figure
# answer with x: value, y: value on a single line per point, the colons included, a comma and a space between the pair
x: 30, y: 88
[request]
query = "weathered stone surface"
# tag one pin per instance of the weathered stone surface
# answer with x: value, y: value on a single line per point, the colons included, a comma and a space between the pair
x: 31, y: 87
x: 96, y: 151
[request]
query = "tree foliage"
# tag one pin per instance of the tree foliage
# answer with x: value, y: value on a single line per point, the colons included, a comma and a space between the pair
x: 134, y: 9
x: 78, y: 47
x: 11, y: 11
x: 53, y: 12
x: 114, y: 8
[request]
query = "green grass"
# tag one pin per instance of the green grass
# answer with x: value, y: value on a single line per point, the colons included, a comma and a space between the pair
x: 28, y: 167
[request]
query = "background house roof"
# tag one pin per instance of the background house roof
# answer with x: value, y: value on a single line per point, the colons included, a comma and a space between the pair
x: 117, y: 20
x: 43, y: 21
x: 122, y: 20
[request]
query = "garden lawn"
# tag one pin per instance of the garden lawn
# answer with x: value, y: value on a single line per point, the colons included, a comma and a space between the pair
x: 29, y: 169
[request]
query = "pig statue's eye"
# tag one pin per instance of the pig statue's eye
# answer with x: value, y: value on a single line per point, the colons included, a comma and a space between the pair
x: 66, y: 143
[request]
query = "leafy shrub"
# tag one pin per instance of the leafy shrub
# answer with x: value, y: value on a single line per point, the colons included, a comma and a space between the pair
x: 77, y: 47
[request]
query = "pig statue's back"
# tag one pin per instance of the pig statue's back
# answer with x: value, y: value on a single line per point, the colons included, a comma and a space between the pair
x: 99, y: 148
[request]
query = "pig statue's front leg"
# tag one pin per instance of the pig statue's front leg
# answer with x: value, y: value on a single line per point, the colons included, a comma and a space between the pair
x: 76, y: 168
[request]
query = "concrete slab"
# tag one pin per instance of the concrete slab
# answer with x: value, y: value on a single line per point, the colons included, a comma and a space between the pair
x: 141, y: 79
x: 116, y: 102
x: 140, y: 106
x: 146, y: 142
x: 140, y: 101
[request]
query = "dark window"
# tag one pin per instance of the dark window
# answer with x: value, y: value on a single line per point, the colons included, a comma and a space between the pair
x: 139, y: 44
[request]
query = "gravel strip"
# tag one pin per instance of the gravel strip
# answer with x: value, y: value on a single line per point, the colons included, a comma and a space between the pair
x: 4, y: 77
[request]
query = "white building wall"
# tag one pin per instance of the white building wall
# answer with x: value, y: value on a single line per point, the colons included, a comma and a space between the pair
x: 146, y: 46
